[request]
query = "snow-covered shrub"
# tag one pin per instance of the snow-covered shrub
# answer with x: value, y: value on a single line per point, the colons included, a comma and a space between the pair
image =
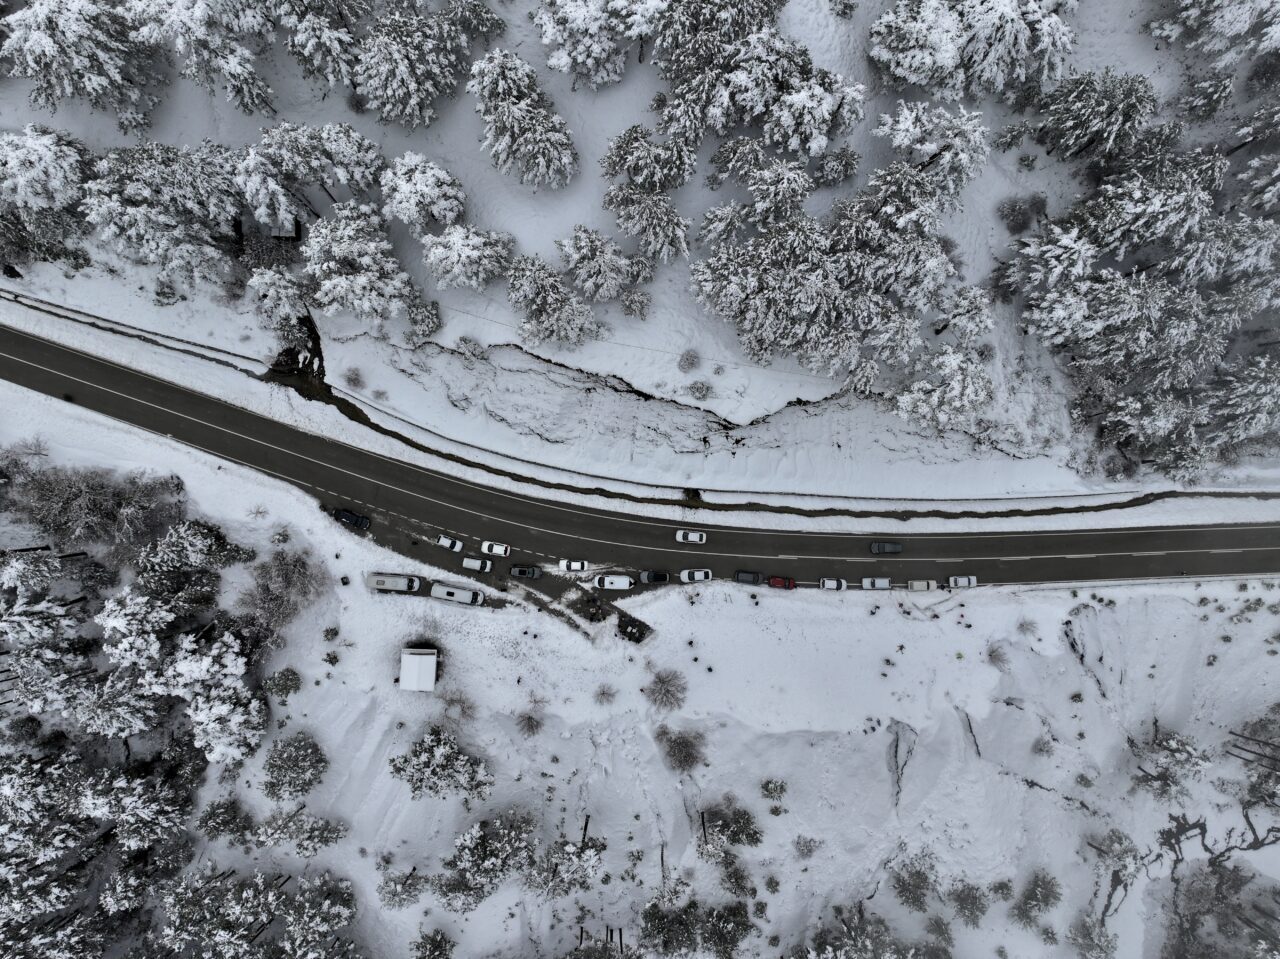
x: 226, y: 818
x: 433, y: 945
x: 293, y: 767
x: 684, y: 750
x: 282, y: 684
x: 970, y: 902
x: 397, y: 890
x: 1041, y: 893
x: 667, y: 689
x: 566, y: 866
x: 436, y: 765
x: 915, y: 881
x: 483, y: 857
x: 281, y: 584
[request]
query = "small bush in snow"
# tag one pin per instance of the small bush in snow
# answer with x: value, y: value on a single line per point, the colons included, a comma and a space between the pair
x: 566, y: 866
x: 1041, y: 893
x: 397, y: 890
x: 699, y: 389
x: 667, y: 689
x: 806, y: 846
x: 684, y: 749
x: 970, y: 903
x: 773, y: 789
x: 529, y: 723
x: 293, y: 767
x: 282, y: 684
x: 940, y: 929
x: 605, y: 694
x: 483, y: 857
x: 689, y: 361
x: 433, y: 945
x: 1019, y: 213
x: 437, y: 765
x: 1091, y: 939
x: 353, y: 378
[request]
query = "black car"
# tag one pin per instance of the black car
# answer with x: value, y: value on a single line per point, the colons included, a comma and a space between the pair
x: 748, y: 577
x: 655, y: 576
x: 882, y: 548
x: 526, y: 572
x: 348, y: 518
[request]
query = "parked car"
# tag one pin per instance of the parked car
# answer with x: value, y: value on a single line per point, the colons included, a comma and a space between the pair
x: 921, y: 585
x: 572, y: 565
x: 748, y: 577
x: 348, y: 518
x: 392, y: 583
x: 449, y: 543
x: 477, y: 564
x: 694, y: 575
x: 695, y: 536
x: 782, y: 582
x: 655, y: 576
x: 495, y: 549
x: 832, y: 584
x: 880, y: 548
x: 614, y: 581
x: 961, y: 582
x: 457, y: 594
x: 876, y: 582
x: 526, y: 572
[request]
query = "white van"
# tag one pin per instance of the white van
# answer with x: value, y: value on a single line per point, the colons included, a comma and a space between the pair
x: 614, y: 581
x: 457, y: 594
x: 392, y: 583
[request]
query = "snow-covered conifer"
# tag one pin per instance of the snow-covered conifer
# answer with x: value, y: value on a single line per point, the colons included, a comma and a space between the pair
x: 397, y: 890
x: 331, y: 154
x: 349, y: 259
x: 1262, y: 182
x: 1057, y: 254
x: 1228, y: 30
x: 293, y: 767
x: 219, y: 914
x: 598, y: 266
x: 949, y: 147
x: 419, y: 193
x: 778, y: 191
x: 307, y: 834
x: 31, y: 622
x: 320, y: 36
x: 551, y: 310
x: 954, y: 387
x: 280, y: 297
x: 465, y: 256
x: 1097, y: 113
x: 1244, y: 402
x: 648, y: 165
x: 143, y: 811
x: 313, y: 917
x: 80, y: 48
x: 29, y: 573
x: 41, y: 169
x: 436, y: 765
x: 651, y: 218
x: 566, y: 866
x: 521, y: 131
x: 483, y: 857
x: 920, y: 42
x: 585, y: 37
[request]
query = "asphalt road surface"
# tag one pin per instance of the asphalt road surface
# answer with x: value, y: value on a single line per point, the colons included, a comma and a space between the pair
x: 410, y: 505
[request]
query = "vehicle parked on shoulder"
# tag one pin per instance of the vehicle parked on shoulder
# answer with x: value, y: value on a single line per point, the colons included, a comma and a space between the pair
x: 921, y: 585
x: 694, y: 575
x: 348, y: 518
x: 832, y: 584
x: 655, y: 577
x: 526, y: 572
x: 449, y: 543
x: 880, y: 548
x: 781, y: 582
x: 478, y: 565
x: 614, y: 581
x: 495, y: 549
x: 457, y: 594
x: 962, y: 582
x: 747, y: 577
x: 572, y: 565
x: 876, y: 582
x: 392, y: 583
x: 695, y: 536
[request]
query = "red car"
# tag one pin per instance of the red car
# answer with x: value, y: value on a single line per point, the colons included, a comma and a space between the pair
x: 782, y: 582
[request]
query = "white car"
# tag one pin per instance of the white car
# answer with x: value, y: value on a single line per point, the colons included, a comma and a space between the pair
x: 449, y: 543
x: 694, y: 575
x: 695, y: 536
x: 832, y: 584
x: 921, y: 585
x: 495, y: 549
x: 960, y: 582
x: 876, y: 582
x: 477, y: 564
x: 614, y: 581
x: 572, y: 565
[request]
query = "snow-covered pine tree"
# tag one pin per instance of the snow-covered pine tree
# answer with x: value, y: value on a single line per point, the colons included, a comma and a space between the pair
x: 1262, y: 182
x: 349, y: 259
x: 433, y: 945
x: 465, y: 256
x: 521, y: 131
x: 172, y: 206
x: 41, y: 169
x: 29, y: 573
x: 651, y: 218
x: 1243, y: 402
x: 778, y: 190
x: 647, y: 165
x: 320, y: 36
x: 419, y: 194
x: 597, y: 265
x: 1096, y: 113
x: 31, y: 622
x: 282, y: 299
x: 214, y: 42
x: 950, y: 147
x: 293, y: 767
x: 314, y: 916
x: 585, y: 37
x: 551, y: 310
x: 86, y: 49
x: 398, y: 890
x: 920, y: 42
x: 436, y: 765
x: 220, y: 914
x: 307, y: 834
x: 1228, y: 30
x: 953, y: 387
x: 144, y: 812
x: 483, y: 857
x: 1057, y: 254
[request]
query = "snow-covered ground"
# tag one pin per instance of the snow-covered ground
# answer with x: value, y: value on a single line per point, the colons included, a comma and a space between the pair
x: 981, y: 727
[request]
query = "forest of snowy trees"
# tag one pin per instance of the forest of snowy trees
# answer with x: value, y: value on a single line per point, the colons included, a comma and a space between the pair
x: 1155, y: 285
